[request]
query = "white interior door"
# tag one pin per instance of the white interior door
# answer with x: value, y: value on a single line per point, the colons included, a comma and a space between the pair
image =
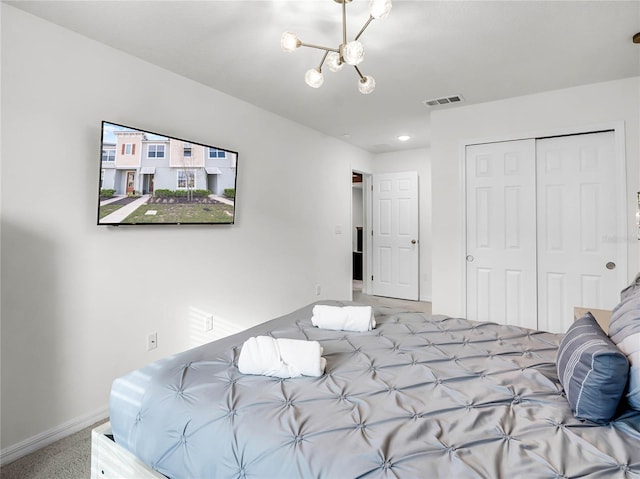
x: 581, y: 253
x: 501, y: 233
x: 395, y: 235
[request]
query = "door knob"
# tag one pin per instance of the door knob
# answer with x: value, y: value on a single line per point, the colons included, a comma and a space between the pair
x: 470, y: 258
x: 413, y: 241
x: 611, y: 265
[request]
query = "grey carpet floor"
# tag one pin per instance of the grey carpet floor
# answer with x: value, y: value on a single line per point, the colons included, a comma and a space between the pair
x: 68, y: 458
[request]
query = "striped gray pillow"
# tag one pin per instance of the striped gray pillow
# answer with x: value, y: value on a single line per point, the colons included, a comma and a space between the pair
x: 592, y: 371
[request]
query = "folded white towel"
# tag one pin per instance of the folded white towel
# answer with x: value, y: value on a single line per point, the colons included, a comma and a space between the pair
x: 346, y: 318
x: 282, y: 358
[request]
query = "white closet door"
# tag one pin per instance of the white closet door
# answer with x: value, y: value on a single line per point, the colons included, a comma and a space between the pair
x: 395, y: 246
x: 501, y: 233
x: 581, y: 252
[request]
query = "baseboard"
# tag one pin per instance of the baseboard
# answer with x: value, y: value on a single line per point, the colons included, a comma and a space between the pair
x: 32, y: 444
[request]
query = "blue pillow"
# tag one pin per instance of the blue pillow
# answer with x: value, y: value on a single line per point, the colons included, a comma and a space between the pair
x: 592, y: 371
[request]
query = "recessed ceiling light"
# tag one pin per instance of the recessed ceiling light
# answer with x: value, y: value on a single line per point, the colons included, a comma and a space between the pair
x: 404, y: 137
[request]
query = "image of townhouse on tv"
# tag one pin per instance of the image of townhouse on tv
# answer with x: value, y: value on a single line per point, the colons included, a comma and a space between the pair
x: 148, y: 178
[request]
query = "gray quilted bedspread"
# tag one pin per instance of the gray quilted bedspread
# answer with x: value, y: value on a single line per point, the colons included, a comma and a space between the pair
x: 418, y: 397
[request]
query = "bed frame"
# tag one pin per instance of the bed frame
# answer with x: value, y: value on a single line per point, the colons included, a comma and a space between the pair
x: 111, y: 461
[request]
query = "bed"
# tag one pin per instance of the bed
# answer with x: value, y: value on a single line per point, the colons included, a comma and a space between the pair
x: 419, y: 396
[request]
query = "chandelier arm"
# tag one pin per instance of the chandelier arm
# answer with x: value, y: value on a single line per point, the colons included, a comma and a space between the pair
x: 359, y: 73
x: 364, y: 27
x: 324, y: 57
x: 344, y: 22
x: 319, y: 47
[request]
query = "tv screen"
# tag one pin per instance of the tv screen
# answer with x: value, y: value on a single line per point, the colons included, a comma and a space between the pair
x: 150, y: 178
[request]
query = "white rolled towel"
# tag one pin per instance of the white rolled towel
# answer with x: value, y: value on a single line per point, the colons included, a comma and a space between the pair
x: 345, y: 318
x: 282, y: 358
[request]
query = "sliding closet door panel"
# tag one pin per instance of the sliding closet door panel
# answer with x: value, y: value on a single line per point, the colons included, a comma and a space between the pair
x: 555, y: 307
x: 513, y: 289
x: 501, y: 225
x: 578, y: 224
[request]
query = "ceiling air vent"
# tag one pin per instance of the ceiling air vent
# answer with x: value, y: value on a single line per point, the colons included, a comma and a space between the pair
x: 445, y: 100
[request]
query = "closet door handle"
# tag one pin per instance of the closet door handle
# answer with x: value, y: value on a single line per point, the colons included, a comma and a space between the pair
x: 611, y: 265
x: 470, y: 258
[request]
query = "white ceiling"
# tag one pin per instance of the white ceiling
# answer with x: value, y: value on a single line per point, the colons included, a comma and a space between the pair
x: 482, y: 50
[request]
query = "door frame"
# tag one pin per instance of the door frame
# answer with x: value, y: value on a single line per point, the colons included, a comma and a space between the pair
x: 621, y: 177
x: 366, y: 233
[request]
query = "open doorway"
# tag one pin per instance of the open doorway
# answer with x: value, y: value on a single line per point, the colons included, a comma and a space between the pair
x: 362, y: 248
x: 385, y: 227
x: 357, y: 230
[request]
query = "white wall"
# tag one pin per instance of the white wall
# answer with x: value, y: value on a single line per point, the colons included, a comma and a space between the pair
x: 415, y: 160
x: 78, y: 300
x: 579, y: 107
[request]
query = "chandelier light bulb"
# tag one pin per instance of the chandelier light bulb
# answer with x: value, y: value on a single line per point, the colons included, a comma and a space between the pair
x: 366, y: 85
x: 380, y: 9
x: 289, y: 41
x: 314, y: 78
x: 353, y: 52
x: 333, y: 62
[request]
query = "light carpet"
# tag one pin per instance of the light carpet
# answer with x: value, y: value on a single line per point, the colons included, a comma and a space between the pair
x: 68, y: 458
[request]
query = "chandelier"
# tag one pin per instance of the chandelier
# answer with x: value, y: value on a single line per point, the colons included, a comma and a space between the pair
x: 351, y: 53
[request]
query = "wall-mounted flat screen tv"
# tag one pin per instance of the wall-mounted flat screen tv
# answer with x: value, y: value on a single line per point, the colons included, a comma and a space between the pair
x: 148, y: 178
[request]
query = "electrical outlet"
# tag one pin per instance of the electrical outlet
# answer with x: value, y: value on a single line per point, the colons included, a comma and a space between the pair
x: 317, y: 290
x: 208, y: 322
x: 152, y: 341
